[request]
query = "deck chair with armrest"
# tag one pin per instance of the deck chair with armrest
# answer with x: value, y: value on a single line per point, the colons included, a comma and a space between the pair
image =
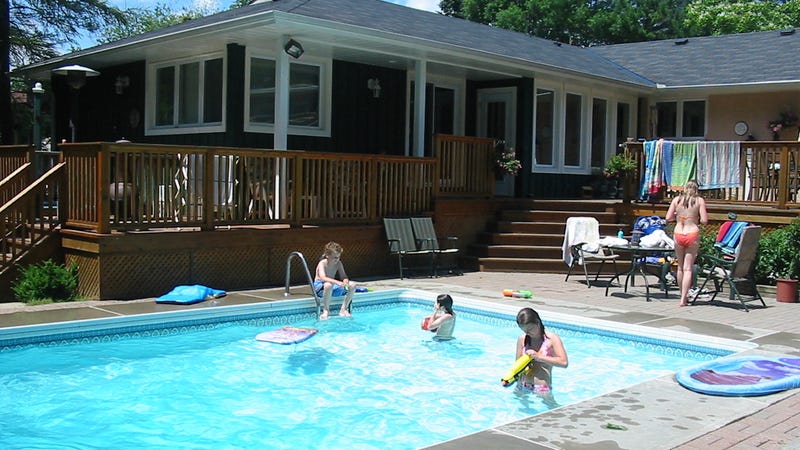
x: 426, y: 238
x: 582, y: 247
x: 737, y: 273
x: 400, y: 237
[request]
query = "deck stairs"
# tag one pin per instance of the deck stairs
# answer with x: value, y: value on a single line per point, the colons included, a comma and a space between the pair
x: 527, y: 235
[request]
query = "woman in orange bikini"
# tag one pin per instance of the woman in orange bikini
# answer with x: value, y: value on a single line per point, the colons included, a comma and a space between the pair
x: 689, y: 211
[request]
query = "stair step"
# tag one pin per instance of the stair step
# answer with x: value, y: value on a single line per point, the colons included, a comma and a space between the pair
x: 528, y: 235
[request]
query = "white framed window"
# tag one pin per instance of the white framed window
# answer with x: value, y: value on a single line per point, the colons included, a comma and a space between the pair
x: 309, y: 97
x: 186, y: 96
x: 680, y: 119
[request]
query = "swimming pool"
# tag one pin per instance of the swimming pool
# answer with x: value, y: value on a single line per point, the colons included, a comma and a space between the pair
x: 198, y: 379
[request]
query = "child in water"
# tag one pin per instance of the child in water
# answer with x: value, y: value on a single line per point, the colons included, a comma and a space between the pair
x: 545, y: 349
x: 443, y: 320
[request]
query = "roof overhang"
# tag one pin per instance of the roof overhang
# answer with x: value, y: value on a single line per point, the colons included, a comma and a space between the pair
x: 319, y: 37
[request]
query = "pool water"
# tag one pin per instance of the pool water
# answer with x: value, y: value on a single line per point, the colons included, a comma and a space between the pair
x: 373, y: 381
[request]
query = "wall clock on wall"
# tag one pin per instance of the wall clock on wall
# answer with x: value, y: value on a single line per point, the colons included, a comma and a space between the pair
x: 740, y: 128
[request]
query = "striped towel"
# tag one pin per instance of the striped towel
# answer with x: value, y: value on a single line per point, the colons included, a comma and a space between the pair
x: 718, y: 164
x: 666, y: 161
x: 652, y: 176
x: 684, y: 157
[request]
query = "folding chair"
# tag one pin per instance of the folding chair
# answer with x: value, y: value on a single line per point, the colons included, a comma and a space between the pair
x: 582, y: 247
x: 426, y: 239
x: 737, y: 273
x: 400, y: 237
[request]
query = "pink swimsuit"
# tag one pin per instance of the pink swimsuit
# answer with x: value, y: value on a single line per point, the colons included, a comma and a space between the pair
x: 548, y: 350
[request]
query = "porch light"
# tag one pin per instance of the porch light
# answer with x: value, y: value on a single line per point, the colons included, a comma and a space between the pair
x: 374, y: 85
x: 76, y: 75
x: 293, y: 49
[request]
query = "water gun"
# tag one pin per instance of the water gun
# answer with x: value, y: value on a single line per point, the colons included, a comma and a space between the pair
x: 517, y: 293
x: 519, y: 365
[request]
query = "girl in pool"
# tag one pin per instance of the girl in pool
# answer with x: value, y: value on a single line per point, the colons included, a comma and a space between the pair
x: 443, y: 320
x: 545, y: 349
x: 689, y: 211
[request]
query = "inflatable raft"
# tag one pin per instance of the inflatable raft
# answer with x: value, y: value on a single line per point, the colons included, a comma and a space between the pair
x: 749, y: 375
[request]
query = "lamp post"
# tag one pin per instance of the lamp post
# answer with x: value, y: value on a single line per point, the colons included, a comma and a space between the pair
x: 76, y: 78
x: 37, y: 91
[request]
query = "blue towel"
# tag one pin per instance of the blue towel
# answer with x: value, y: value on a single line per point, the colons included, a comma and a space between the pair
x: 730, y: 241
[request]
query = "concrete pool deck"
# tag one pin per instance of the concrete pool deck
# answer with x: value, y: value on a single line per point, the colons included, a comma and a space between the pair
x: 659, y: 414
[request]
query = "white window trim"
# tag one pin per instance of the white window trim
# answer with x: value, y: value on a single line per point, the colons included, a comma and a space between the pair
x: 150, y: 97
x: 679, y: 116
x: 325, y: 76
x: 556, y: 131
x: 583, y: 165
x: 458, y: 85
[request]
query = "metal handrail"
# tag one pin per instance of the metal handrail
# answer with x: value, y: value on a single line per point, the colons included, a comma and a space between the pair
x: 308, y: 276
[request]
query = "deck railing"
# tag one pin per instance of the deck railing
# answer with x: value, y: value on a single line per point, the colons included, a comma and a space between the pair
x: 466, y: 166
x: 769, y: 175
x: 30, y: 216
x: 123, y: 186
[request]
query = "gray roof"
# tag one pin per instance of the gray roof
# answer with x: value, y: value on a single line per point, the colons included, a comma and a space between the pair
x: 747, y: 58
x: 436, y: 29
x: 750, y: 58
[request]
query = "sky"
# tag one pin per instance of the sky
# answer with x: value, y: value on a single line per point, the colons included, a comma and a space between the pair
x: 218, y: 5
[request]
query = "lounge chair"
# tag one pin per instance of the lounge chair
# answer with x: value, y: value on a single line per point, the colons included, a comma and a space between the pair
x: 400, y: 237
x: 737, y: 273
x: 425, y: 235
x: 582, y: 247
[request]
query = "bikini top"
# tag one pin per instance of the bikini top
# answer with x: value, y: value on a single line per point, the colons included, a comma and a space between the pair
x: 545, y: 345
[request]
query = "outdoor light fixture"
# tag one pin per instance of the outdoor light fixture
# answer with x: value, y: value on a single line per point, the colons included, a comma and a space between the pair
x: 374, y: 85
x: 76, y: 78
x: 121, y: 83
x: 293, y: 49
x: 76, y: 75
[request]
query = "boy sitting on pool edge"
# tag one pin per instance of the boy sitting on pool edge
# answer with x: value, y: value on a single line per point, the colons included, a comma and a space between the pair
x: 327, y: 285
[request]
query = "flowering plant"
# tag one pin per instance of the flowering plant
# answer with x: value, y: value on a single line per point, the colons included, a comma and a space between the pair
x: 619, y: 165
x: 506, y: 158
x: 786, y: 119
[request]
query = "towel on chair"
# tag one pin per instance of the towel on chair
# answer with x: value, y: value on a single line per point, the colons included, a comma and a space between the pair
x: 580, y: 229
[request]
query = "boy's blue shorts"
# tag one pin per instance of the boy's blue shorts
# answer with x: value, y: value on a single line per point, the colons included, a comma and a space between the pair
x: 338, y: 291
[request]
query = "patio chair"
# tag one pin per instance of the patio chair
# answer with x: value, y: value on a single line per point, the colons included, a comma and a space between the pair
x: 737, y: 273
x: 582, y: 247
x: 400, y: 237
x: 425, y: 235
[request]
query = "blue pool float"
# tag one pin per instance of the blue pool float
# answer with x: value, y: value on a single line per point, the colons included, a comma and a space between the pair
x: 186, y: 295
x: 743, y: 376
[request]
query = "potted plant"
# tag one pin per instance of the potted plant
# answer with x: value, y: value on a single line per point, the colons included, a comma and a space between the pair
x: 506, y: 162
x: 779, y: 260
x: 618, y: 167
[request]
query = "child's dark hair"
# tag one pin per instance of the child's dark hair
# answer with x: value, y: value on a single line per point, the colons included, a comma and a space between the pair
x: 528, y: 315
x: 446, y: 301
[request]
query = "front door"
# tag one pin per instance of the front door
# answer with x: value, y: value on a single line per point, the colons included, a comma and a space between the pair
x: 497, y: 119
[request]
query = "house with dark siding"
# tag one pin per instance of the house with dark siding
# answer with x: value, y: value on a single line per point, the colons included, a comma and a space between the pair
x: 367, y: 76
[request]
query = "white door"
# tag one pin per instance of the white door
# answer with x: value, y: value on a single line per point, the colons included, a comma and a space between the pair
x: 497, y: 111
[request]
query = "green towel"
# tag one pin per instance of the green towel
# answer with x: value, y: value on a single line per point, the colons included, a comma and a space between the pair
x: 684, y: 157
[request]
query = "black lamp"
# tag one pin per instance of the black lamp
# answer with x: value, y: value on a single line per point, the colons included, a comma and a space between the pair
x: 293, y: 49
x: 76, y: 78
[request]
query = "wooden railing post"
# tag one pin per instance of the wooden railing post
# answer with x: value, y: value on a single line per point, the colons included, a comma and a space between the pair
x: 209, y: 160
x: 783, y: 178
x: 103, y: 194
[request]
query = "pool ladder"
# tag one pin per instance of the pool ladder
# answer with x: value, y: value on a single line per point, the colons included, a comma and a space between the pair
x: 308, y: 277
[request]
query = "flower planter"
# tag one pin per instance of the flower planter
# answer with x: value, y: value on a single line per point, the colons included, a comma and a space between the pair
x: 786, y: 291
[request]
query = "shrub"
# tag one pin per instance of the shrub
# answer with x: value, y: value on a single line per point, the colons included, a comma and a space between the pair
x: 779, y: 254
x: 47, y: 282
